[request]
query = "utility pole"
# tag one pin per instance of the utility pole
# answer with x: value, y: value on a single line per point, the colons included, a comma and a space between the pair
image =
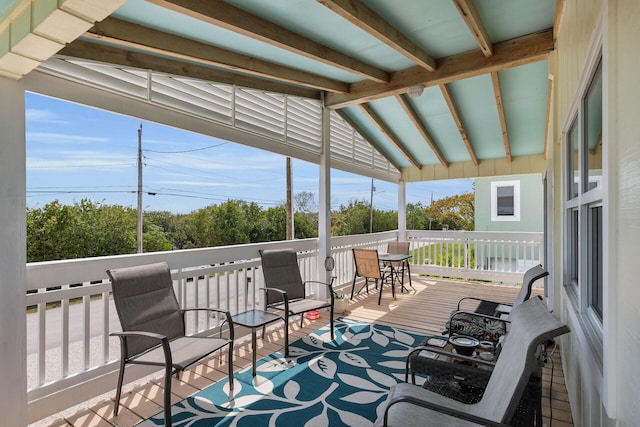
x: 139, y: 227
x: 289, y: 205
x: 430, y: 206
x: 371, y: 208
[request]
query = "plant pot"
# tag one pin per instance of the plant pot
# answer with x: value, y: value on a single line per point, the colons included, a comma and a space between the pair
x: 340, y: 305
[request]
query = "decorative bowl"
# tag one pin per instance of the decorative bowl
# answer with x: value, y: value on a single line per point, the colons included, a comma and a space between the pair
x: 486, y: 355
x: 486, y: 346
x: 464, y: 345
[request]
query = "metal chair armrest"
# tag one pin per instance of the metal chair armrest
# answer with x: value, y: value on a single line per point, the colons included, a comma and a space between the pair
x: 164, y: 342
x: 227, y: 319
x: 153, y: 335
x: 439, y: 408
x: 457, y: 356
x: 481, y: 300
x: 479, y: 315
x: 285, y: 297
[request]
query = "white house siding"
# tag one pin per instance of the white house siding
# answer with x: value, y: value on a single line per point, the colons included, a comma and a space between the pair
x: 624, y: 166
x: 530, y: 201
x: 603, y: 378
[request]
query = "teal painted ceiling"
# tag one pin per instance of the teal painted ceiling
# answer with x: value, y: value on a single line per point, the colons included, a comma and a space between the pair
x: 6, y: 6
x: 306, y: 36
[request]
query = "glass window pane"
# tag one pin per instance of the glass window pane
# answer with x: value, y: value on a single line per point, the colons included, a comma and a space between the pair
x: 506, y: 198
x: 593, y: 130
x: 573, y: 246
x: 573, y: 162
x: 595, y: 260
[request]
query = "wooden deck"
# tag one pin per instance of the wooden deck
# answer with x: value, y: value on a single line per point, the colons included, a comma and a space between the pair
x: 423, y: 309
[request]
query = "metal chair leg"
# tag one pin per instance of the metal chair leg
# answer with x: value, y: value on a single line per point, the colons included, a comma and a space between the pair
x: 119, y: 391
x: 167, y: 395
x: 230, y: 370
x: 286, y: 335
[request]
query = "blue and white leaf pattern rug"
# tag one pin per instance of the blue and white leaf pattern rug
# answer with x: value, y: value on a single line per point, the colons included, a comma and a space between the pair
x: 323, y: 382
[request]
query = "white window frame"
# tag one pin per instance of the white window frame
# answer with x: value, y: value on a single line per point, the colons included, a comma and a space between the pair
x: 600, y: 346
x: 494, y: 201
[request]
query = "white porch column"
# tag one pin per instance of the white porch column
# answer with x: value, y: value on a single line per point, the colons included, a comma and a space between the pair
x: 402, y: 211
x: 13, y: 320
x: 324, y: 202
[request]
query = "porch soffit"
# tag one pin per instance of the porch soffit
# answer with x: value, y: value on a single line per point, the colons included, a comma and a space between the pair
x: 481, y: 69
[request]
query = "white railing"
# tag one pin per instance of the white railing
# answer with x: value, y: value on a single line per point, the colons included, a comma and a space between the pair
x: 480, y: 255
x: 70, y: 315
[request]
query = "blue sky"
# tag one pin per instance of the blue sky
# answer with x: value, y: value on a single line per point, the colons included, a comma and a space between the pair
x: 76, y: 152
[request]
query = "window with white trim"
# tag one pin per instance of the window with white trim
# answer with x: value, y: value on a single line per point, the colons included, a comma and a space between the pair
x: 505, y: 201
x: 584, y: 198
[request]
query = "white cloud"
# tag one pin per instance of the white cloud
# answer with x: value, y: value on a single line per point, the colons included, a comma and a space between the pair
x: 193, y: 183
x: 219, y: 161
x: 68, y: 160
x: 42, y: 116
x: 62, y: 138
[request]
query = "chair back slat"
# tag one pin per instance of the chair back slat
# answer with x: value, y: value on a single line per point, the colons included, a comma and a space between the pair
x: 145, y: 301
x: 367, y: 263
x: 280, y: 269
x: 398, y: 248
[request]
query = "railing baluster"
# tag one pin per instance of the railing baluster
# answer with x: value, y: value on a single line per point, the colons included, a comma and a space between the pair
x: 236, y: 283
x: 65, y: 335
x: 196, y: 302
x: 207, y: 298
x: 42, y: 340
x: 86, y: 302
x: 105, y: 330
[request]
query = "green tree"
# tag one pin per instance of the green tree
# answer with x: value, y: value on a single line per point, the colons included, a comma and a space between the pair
x: 200, y: 228
x: 455, y: 212
x: 351, y: 219
x: 230, y: 224
x: 46, y: 231
x: 384, y: 220
x: 355, y: 218
x: 417, y: 217
x: 305, y: 203
x: 304, y: 226
x: 85, y: 229
x: 275, y: 223
x: 154, y: 239
x: 170, y: 224
x: 255, y: 222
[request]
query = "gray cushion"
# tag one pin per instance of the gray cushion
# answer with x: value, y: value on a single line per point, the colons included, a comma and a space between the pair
x: 145, y: 301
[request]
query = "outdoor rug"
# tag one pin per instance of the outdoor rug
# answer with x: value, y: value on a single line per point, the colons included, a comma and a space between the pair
x: 323, y: 382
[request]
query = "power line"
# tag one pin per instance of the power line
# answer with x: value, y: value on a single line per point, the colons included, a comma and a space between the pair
x: 187, y: 151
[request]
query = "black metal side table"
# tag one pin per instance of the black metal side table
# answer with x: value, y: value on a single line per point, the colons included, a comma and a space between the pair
x: 255, y: 319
